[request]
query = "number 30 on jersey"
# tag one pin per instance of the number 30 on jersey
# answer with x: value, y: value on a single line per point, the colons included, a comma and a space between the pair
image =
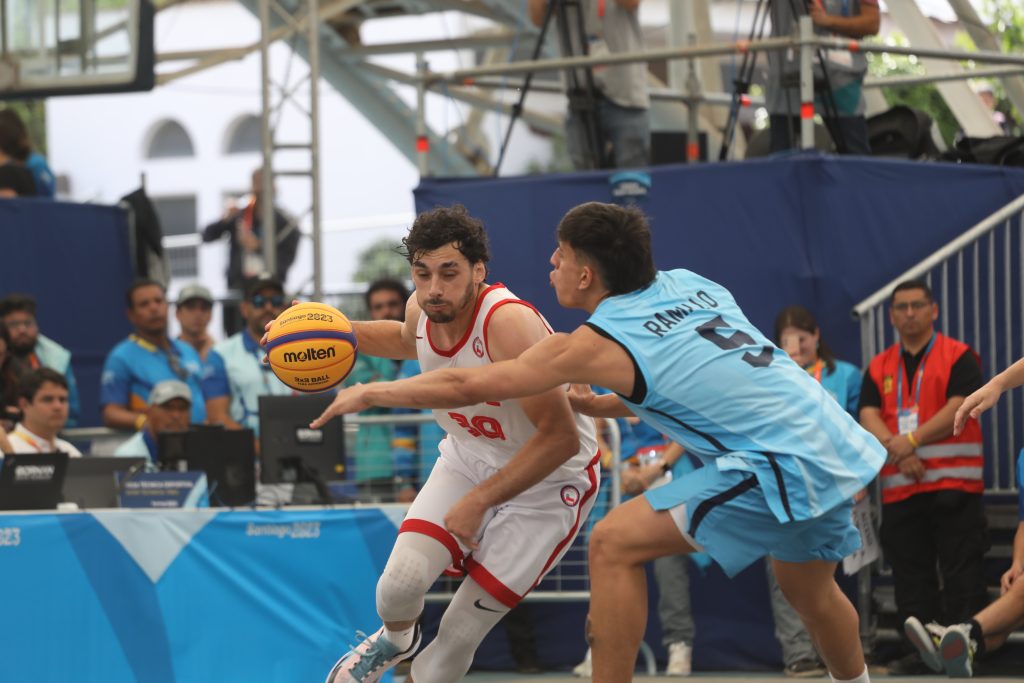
x: 479, y: 425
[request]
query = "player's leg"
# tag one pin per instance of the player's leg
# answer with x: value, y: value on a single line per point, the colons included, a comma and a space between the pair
x: 830, y: 617
x: 421, y: 553
x: 471, y: 615
x: 621, y: 543
x: 415, y: 563
x: 987, y: 631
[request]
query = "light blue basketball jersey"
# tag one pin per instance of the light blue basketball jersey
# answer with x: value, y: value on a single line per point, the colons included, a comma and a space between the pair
x: 715, y: 384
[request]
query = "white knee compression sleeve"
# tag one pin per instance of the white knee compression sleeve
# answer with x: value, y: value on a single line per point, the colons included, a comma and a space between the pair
x: 470, y: 616
x: 415, y: 563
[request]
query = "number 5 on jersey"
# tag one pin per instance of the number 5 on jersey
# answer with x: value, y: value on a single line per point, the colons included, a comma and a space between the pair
x: 479, y: 425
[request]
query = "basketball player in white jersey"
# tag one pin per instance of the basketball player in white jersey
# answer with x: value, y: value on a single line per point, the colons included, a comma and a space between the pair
x: 515, y: 480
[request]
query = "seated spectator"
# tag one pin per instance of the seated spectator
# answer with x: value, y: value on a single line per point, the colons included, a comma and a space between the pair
x: 170, y: 404
x: 32, y: 350
x: 149, y: 356
x: 15, y: 179
x: 8, y: 382
x: 34, y: 162
x: 194, y: 311
x: 44, y: 407
x: 952, y: 649
x: 241, y: 357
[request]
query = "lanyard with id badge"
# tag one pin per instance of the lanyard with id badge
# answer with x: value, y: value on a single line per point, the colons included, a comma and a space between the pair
x: 907, y: 417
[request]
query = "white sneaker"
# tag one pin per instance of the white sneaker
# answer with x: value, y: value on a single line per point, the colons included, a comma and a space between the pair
x: 679, y: 659
x: 926, y: 638
x: 958, y: 650
x: 367, y: 661
x: 584, y: 669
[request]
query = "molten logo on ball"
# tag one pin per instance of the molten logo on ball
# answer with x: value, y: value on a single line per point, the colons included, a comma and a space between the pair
x: 308, y: 354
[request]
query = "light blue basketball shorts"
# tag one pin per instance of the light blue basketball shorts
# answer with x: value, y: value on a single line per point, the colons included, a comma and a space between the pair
x: 726, y: 515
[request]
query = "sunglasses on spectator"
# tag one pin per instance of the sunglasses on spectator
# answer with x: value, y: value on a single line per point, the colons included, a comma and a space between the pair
x: 275, y: 300
x: 907, y: 305
x: 381, y: 305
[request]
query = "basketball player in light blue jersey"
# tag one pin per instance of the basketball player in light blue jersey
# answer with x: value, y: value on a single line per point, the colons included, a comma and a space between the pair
x: 783, y: 459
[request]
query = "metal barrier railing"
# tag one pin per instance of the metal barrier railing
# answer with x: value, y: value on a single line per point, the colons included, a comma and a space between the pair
x: 976, y: 280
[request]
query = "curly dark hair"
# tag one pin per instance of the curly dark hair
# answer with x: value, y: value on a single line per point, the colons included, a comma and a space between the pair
x: 615, y: 239
x: 447, y: 225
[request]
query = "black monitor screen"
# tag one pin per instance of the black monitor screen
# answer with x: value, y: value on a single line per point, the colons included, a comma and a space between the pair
x: 32, y: 481
x: 91, y: 482
x: 291, y: 452
x: 228, y: 456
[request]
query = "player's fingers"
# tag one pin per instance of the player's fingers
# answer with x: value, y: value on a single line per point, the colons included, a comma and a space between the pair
x: 324, y: 418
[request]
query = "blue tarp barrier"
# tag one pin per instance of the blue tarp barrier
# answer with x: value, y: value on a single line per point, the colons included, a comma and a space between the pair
x: 824, y: 232
x: 74, y: 259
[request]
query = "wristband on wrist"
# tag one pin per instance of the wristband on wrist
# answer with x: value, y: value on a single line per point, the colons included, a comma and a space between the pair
x: 140, y: 420
x: 913, y: 441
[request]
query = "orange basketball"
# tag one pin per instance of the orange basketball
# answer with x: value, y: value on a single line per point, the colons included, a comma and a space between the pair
x: 311, y: 347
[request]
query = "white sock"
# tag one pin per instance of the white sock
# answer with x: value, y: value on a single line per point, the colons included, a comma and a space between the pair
x: 401, y: 639
x: 863, y: 678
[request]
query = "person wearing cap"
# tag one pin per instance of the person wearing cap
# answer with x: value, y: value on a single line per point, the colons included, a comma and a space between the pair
x: 193, y: 311
x: 240, y: 357
x: 43, y: 400
x: 149, y: 356
x: 170, y: 404
x: 32, y: 350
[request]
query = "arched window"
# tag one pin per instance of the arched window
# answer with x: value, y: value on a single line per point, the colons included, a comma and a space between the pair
x: 244, y: 136
x: 169, y: 139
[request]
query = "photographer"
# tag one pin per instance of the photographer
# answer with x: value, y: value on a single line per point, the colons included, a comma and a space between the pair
x: 845, y: 70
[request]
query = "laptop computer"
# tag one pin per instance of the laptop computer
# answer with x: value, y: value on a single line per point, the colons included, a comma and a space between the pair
x: 91, y: 482
x: 32, y: 481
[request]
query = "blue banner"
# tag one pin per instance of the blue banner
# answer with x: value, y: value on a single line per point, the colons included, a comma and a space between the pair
x: 187, y: 596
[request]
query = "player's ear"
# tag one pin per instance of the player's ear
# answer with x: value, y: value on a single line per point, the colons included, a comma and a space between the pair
x: 586, y: 278
x: 479, y: 272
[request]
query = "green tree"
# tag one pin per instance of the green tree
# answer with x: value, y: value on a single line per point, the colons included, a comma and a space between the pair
x: 1005, y: 20
x: 924, y: 97
x: 382, y: 259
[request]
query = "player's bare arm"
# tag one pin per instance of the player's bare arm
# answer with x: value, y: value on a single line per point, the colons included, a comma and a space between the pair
x: 583, y: 357
x: 389, y: 338
x: 986, y: 397
x: 512, y: 330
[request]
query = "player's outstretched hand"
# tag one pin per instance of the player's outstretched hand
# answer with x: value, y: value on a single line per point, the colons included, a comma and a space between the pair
x: 975, y: 404
x: 581, y: 397
x: 349, y: 400
x: 266, y: 329
x: 464, y: 520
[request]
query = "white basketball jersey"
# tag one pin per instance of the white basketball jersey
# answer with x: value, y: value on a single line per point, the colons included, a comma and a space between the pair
x: 492, y: 432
